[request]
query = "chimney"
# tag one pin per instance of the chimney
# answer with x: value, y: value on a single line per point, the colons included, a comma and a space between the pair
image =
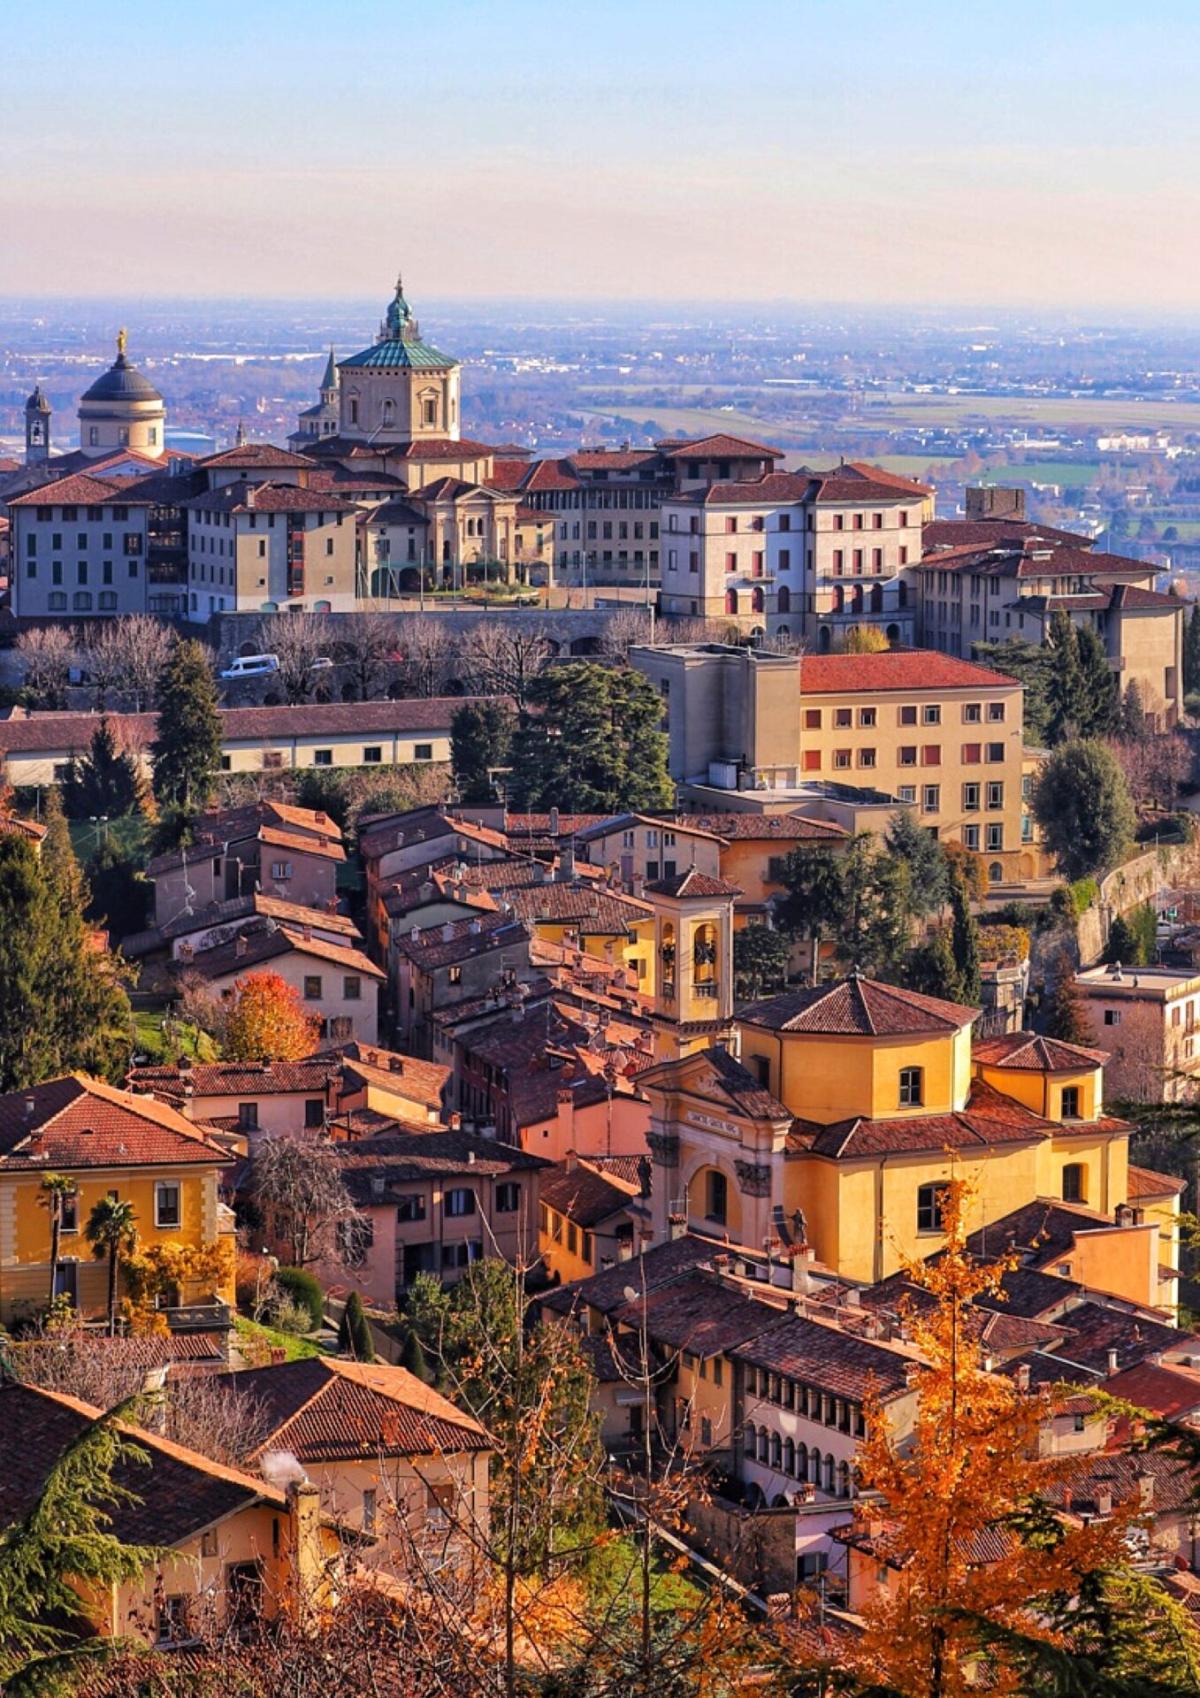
x: 414, y: 934
x: 395, y: 1064
x: 1113, y: 1365
x: 30, y: 1107
x: 566, y: 862
x: 554, y: 822
x: 308, y: 1558
x: 571, y: 1163
x: 1021, y: 1377
x: 1066, y: 1498
x: 470, y: 1158
x: 1104, y: 1499
x: 251, y: 495
x: 448, y: 932
x: 1145, y: 1486
x: 539, y: 873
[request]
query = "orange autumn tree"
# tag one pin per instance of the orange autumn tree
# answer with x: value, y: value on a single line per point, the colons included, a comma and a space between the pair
x: 971, y: 1556
x: 265, y: 1020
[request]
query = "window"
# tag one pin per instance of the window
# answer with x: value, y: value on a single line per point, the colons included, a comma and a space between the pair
x: 174, y: 1628
x: 281, y: 869
x: 995, y: 751
x: 929, y: 1208
x: 410, y: 1206
x: 931, y: 754
x: 812, y: 719
x: 372, y: 754
x: 1112, y: 1016
x: 167, y: 1203
x: 1070, y: 1102
x: 970, y: 798
x: 351, y: 988
x: 508, y: 1197
x: 716, y: 1201
x: 460, y: 1201
x: 931, y: 798
x: 908, y: 715
x: 454, y: 975
x: 423, y: 752
x: 972, y: 713
x: 866, y: 757
x: 971, y: 837
x: 843, y: 718
x: 995, y: 795
x: 354, y: 1238
x: 248, y: 1117
x: 314, y: 1112
x: 995, y: 838
x: 972, y: 754
x: 312, y: 987
x: 911, y: 1082
x: 841, y: 758
x: 908, y: 754
x: 1072, y: 1182
x: 995, y: 713
x: 907, y: 793
x: 322, y: 757
x: 368, y: 1509
x: 931, y: 714
x: 68, y: 1212
x: 866, y: 716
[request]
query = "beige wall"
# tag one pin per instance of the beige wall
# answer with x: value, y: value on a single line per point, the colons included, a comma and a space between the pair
x: 239, y: 562
x: 333, y: 1003
x: 111, y: 551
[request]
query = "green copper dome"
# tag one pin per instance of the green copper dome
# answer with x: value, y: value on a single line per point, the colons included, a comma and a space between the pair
x: 399, y: 341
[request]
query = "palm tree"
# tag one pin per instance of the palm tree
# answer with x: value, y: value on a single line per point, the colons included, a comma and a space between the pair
x: 57, y: 1188
x: 111, y: 1228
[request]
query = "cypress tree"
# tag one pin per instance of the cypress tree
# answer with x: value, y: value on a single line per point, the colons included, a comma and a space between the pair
x: 412, y: 1357
x: 1122, y: 945
x: 932, y: 969
x: 1099, y: 692
x: 106, y: 781
x: 1065, y: 689
x: 187, y: 750
x: 965, y: 941
x: 1191, y: 650
x: 59, y: 864
x: 354, y: 1334
x: 1064, y: 1016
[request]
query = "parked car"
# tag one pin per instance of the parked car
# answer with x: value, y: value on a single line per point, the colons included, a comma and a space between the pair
x: 251, y: 666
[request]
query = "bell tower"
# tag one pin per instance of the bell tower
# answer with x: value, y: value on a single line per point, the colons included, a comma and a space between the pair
x: 37, y: 428
x: 693, y: 962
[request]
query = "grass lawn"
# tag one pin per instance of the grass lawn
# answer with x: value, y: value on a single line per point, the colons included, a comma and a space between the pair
x: 1073, y: 474
x: 150, y: 1041
x: 130, y: 835
x: 615, y: 1571
x: 251, y: 1332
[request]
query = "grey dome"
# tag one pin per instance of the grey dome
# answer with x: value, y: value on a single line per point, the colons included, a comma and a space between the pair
x: 122, y: 382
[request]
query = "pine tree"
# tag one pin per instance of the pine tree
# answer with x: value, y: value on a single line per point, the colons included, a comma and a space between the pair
x: 1068, y: 707
x: 813, y: 878
x: 1081, y: 801
x: 354, y: 1333
x: 926, y: 861
x: 593, y: 742
x: 59, y: 862
x: 106, y: 781
x: 62, y: 1005
x: 965, y: 943
x: 1134, y: 725
x: 187, y: 750
x: 1122, y: 945
x: 66, y: 1533
x: 481, y: 736
x: 1064, y: 1017
x: 932, y: 969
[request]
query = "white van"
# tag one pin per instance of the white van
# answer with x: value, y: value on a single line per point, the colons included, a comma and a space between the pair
x: 251, y: 666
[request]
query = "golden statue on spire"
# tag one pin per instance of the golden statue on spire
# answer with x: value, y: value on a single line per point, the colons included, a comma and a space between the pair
x: 121, y: 340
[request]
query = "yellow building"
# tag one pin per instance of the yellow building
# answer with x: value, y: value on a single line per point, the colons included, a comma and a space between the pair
x: 589, y: 1217
x: 851, y: 1107
x: 109, y: 1143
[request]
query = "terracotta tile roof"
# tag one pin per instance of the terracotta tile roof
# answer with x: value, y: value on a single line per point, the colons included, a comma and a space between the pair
x: 12, y: 825
x: 1145, y: 1182
x: 172, y: 1500
x: 717, y: 447
x: 406, y: 1075
x: 658, y: 1266
x: 584, y: 1195
x: 857, y: 1007
x: 1117, y: 1473
x: 987, y: 1120
x: 551, y: 474
x: 693, y: 883
x: 459, y: 940
x: 266, y: 498
x: 270, y: 725
x: 251, y: 948
x: 895, y: 669
x: 1045, y: 1228
x: 509, y: 475
x: 254, y: 454
x: 695, y: 1312
x: 828, y: 1357
x: 388, y: 832
x: 1030, y: 1052
x: 1168, y: 1392
x: 402, y: 1155
x: 1017, y: 1332
x: 584, y: 907
x: 988, y: 533
x: 685, y: 825
x: 239, y: 908
x: 80, y: 490
x: 78, y: 1122
x: 324, y: 1409
x: 307, y: 1077
x: 777, y: 827
x: 398, y: 512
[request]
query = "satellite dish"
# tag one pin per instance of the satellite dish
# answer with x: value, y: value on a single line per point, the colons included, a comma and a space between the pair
x: 631, y: 1296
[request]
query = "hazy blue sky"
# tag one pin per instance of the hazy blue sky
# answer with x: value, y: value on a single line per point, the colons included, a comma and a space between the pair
x: 866, y: 150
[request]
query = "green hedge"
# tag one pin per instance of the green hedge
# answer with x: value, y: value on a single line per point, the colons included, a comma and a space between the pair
x: 304, y: 1289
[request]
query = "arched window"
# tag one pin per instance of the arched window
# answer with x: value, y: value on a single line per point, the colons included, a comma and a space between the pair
x: 704, y: 954
x: 856, y: 598
x: 825, y: 639
x: 893, y: 633
x: 839, y: 599
x: 830, y: 1474
x: 776, y: 1451
x: 784, y: 599
x: 757, y: 602
x: 716, y: 1196
x: 789, y: 1456
x: 903, y: 593
x: 801, y: 1468
x: 762, y: 1444
x: 996, y: 873
x: 731, y: 603
x: 666, y: 957
x: 876, y: 598
x: 389, y: 413
x: 750, y: 1440
x: 843, y: 1480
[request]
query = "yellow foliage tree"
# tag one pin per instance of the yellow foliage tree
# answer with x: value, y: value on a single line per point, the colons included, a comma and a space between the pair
x: 957, y: 1511
x: 266, y: 1021
x: 864, y: 639
x: 160, y: 1269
